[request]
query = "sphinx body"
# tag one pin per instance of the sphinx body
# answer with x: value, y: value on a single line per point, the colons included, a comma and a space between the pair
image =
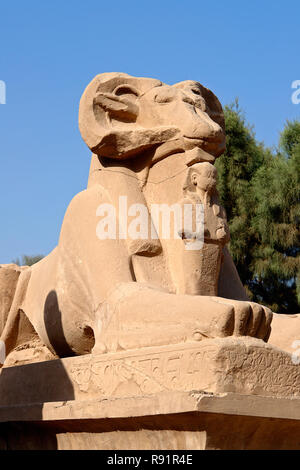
x: 154, y: 144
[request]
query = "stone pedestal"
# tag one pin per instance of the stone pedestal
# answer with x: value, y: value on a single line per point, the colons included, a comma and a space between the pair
x: 217, y: 394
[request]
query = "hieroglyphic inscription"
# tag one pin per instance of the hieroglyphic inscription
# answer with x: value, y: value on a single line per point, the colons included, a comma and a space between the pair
x: 151, y: 372
x: 243, y: 366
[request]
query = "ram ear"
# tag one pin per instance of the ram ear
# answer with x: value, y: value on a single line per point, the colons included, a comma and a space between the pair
x: 109, y: 100
x: 121, y: 104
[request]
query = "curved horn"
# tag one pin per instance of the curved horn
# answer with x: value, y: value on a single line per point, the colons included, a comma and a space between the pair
x: 108, y: 110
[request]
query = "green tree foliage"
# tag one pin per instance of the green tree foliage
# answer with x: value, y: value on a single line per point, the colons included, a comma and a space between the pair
x: 28, y: 260
x: 236, y: 168
x: 290, y: 138
x: 261, y: 193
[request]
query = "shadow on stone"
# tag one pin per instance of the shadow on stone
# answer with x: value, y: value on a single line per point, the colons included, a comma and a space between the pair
x: 54, y: 328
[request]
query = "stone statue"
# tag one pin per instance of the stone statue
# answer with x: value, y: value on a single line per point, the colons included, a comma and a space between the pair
x: 154, y: 144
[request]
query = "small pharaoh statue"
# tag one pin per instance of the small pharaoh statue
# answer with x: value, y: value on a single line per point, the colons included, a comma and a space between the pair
x: 205, y: 258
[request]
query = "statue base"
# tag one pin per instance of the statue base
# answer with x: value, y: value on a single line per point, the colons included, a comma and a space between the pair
x: 226, y: 393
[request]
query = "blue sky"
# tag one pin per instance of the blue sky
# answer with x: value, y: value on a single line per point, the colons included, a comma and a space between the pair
x: 51, y: 50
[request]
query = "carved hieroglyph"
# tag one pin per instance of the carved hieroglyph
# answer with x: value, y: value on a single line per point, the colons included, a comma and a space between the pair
x: 238, y: 365
x: 154, y: 144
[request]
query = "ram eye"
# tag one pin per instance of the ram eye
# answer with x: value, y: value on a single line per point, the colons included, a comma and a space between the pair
x: 196, y: 91
x: 125, y: 90
x: 164, y: 96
